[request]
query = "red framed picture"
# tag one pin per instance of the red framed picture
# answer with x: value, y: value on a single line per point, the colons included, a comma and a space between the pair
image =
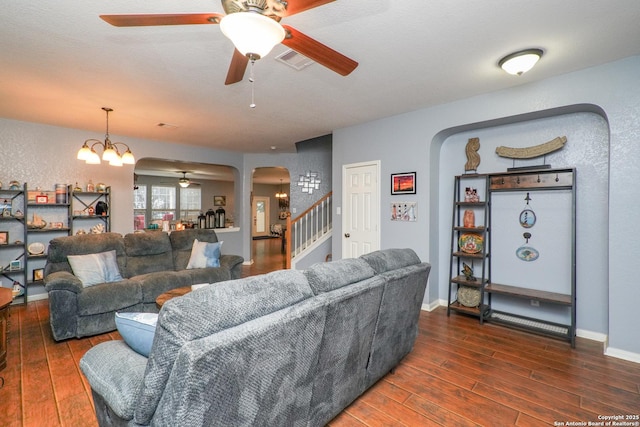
x: 403, y: 183
x: 41, y: 198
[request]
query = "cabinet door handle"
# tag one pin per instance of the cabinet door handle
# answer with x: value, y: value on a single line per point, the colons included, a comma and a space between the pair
x: 347, y: 235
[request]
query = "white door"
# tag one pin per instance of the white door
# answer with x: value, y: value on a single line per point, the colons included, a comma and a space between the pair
x: 261, y: 216
x: 361, y: 202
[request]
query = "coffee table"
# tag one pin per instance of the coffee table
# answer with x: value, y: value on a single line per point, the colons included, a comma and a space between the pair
x: 173, y: 293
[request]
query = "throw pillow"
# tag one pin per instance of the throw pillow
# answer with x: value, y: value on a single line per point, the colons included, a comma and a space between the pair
x: 92, y: 269
x: 137, y: 330
x: 204, y: 254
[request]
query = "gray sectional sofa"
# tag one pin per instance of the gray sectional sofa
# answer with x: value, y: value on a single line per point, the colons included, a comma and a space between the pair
x: 149, y: 263
x: 289, y: 348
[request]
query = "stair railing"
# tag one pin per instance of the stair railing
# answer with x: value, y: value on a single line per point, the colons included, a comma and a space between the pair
x: 308, y: 227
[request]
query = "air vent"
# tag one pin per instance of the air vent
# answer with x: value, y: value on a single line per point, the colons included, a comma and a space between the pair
x: 294, y: 59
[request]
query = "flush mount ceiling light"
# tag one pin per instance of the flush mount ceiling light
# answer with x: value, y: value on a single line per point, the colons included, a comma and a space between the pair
x: 110, y: 152
x: 520, y: 62
x: 184, y: 182
x: 253, y: 34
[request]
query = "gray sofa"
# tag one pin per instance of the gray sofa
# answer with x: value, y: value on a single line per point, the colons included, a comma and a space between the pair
x: 288, y: 348
x: 150, y: 264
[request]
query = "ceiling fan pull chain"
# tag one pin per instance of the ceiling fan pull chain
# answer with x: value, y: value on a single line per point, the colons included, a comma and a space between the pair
x: 251, y: 80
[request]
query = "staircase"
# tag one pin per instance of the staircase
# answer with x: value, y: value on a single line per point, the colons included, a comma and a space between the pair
x: 308, y: 230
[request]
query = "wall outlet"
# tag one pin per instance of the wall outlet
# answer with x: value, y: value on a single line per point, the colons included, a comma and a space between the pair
x: 535, y: 303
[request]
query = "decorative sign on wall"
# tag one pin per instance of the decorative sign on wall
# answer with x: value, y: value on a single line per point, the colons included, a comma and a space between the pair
x: 404, y: 211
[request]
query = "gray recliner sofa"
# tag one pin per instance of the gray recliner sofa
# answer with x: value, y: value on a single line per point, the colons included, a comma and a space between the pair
x: 150, y: 264
x: 288, y: 348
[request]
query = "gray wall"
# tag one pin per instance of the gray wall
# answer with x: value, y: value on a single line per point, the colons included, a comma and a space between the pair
x: 414, y: 141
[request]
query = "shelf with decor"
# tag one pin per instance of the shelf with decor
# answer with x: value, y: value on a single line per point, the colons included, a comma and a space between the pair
x: 47, y: 217
x: 548, y: 282
x: 469, y: 270
x: 90, y: 210
x: 13, y: 272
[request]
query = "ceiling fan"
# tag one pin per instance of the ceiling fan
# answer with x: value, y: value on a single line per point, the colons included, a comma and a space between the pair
x: 245, y: 17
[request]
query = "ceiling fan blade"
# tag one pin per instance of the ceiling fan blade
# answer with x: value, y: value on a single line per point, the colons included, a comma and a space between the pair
x: 164, y: 19
x: 297, y: 6
x: 237, y: 68
x: 320, y: 53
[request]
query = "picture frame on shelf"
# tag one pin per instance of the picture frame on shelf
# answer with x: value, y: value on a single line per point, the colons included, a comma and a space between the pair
x: 4, y: 237
x: 219, y: 200
x: 403, y: 183
x: 5, y: 207
x: 15, y: 265
x: 42, y: 199
x: 38, y: 274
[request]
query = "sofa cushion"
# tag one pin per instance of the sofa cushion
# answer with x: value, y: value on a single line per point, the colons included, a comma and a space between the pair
x: 108, y: 297
x: 325, y: 277
x: 147, y: 253
x: 204, y: 254
x: 61, y: 247
x: 115, y: 372
x: 206, y: 275
x: 390, y: 259
x: 182, y: 244
x: 96, y: 268
x: 153, y: 284
x: 137, y: 330
x: 208, y: 310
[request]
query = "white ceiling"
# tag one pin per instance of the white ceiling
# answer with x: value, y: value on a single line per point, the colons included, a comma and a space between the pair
x: 61, y: 64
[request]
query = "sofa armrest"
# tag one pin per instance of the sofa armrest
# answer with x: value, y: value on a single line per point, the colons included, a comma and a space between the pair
x: 233, y: 263
x: 63, y: 281
x: 115, y: 372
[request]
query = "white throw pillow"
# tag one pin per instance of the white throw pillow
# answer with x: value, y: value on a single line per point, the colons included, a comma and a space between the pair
x: 204, y: 254
x: 92, y: 269
x: 137, y: 330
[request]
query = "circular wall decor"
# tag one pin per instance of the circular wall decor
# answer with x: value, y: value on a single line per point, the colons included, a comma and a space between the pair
x: 527, y: 253
x: 527, y: 218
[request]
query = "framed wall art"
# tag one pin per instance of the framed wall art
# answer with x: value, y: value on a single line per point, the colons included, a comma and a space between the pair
x: 404, y: 211
x: 219, y: 200
x: 403, y: 183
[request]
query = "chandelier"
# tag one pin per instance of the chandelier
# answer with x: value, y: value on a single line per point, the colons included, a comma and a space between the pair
x: 110, y: 152
x: 281, y: 194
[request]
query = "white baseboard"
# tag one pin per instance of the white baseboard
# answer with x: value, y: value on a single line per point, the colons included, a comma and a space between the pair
x: 432, y: 306
x: 622, y: 354
x: 38, y: 297
x: 248, y: 262
x: 590, y: 335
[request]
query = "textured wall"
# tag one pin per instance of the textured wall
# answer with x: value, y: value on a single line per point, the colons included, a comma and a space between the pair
x: 413, y: 141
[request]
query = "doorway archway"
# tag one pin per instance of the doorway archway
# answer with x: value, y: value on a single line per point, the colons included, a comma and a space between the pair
x: 268, y: 220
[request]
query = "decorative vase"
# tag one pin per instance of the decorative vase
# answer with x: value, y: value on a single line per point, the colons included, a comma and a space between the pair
x: 469, y: 219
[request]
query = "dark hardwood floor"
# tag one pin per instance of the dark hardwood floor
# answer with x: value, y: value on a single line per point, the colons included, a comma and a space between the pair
x: 460, y: 373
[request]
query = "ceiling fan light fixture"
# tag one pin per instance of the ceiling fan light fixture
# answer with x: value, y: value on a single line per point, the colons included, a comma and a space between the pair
x: 252, y: 33
x: 520, y: 62
x: 184, y: 181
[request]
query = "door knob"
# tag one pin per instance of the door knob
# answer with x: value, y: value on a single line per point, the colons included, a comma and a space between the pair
x: 347, y: 235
